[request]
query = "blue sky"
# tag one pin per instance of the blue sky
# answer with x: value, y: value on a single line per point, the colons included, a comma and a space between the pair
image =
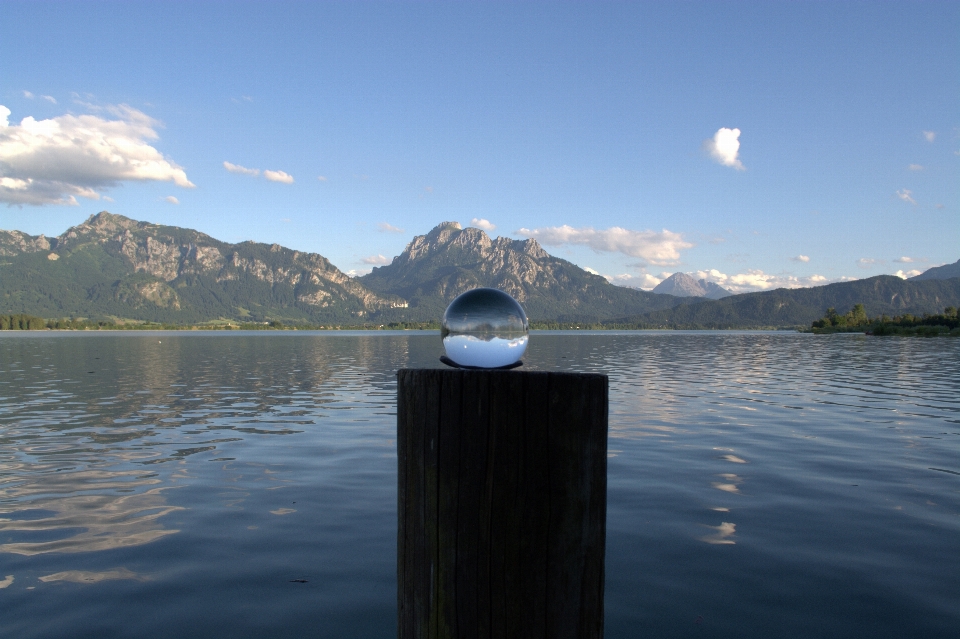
x: 609, y: 131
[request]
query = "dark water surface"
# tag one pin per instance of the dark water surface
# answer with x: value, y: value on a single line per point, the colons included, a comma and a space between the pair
x: 244, y: 485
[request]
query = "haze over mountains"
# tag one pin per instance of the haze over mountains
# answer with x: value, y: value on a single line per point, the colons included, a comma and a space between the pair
x: 944, y: 272
x: 683, y: 285
x: 112, y: 266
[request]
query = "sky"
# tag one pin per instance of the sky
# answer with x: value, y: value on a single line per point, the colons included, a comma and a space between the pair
x: 756, y: 145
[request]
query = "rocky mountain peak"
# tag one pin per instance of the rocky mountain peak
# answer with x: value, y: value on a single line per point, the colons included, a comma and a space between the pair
x: 449, y: 260
x: 684, y: 285
x: 451, y: 236
x: 18, y: 242
x: 108, y: 223
x: 681, y: 285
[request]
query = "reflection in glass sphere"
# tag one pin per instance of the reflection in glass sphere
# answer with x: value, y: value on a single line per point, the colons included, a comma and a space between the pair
x: 484, y: 328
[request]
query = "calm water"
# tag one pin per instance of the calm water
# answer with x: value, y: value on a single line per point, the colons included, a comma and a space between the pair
x: 238, y: 485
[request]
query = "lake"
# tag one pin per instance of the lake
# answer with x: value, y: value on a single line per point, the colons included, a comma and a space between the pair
x: 202, y: 484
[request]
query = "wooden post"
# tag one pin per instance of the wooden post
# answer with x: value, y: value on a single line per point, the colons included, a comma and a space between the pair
x: 502, y: 499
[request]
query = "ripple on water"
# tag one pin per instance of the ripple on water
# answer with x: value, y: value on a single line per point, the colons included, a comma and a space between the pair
x: 756, y: 481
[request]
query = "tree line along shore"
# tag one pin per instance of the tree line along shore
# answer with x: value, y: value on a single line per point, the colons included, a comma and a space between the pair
x: 26, y: 322
x: 33, y: 323
x: 856, y: 320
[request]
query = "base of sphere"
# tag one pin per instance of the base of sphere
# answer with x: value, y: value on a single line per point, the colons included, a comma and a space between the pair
x: 449, y: 362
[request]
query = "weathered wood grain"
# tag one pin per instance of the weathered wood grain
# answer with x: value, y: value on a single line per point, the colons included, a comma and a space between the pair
x: 448, y: 483
x: 535, y: 514
x: 501, y: 504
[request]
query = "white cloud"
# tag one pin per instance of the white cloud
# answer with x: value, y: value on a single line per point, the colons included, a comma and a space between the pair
x: 724, y: 147
x: 376, y: 259
x: 49, y: 98
x: 930, y: 136
x: 904, y: 260
x: 661, y: 248
x: 171, y: 199
x: 915, y: 167
x: 481, y: 223
x: 909, y: 273
x: 240, y: 170
x: 756, y: 280
x: 383, y: 227
x: 54, y: 161
x: 643, y: 281
x: 867, y: 262
x: 906, y: 195
x: 28, y: 95
x: 801, y: 258
x: 273, y: 176
x: 321, y: 178
x: 278, y: 176
x: 590, y: 270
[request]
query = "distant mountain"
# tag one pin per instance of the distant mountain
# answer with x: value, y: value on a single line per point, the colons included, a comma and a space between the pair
x: 114, y: 266
x: 944, y: 272
x: 683, y: 285
x: 436, y: 267
x: 884, y: 294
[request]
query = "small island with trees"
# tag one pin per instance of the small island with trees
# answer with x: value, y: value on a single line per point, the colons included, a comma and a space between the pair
x: 856, y: 320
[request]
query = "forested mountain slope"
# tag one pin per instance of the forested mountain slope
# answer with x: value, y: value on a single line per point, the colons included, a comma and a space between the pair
x: 884, y: 294
x: 114, y: 266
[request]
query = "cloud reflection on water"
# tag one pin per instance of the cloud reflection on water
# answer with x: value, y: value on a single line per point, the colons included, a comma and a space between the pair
x: 85, y: 522
x: 91, y: 577
x: 723, y: 531
x: 730, y: 485
x: 85, y: 458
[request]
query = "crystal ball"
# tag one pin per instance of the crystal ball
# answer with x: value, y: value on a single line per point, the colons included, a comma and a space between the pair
x: 484, y: 328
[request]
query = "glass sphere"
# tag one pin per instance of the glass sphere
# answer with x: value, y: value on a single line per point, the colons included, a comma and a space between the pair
x: 484, y: 328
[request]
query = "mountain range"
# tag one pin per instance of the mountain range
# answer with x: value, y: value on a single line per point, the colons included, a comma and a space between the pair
x: 114, y: 266
x: 111, y: 266
x: 883, y: 294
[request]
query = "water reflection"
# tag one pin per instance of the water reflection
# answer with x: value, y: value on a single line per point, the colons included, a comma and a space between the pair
x: 721, y: 534
x: 96, y: 430
x: 730, y: 484
x: 226, y: 467
x: 86, y: 514
x: 92, y: 577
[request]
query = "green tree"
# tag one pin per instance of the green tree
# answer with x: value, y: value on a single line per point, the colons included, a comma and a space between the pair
x: 858, y: 315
